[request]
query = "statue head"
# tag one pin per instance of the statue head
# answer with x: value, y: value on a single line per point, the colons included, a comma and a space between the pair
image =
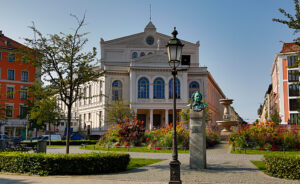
x: 196, y: 104
x: 196, y: 97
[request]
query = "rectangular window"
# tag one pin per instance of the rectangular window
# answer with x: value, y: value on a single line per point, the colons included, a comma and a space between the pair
x: 24, y: 76
x: 0, y: 56
x: 9, y: 110
x: 23, y: 93
x: 25, y: 60
x: 11, y: 57
x: 185, y: 59
x: 293, y: 75
x: 294, y: 118
x: 294, y: 90
x: 291, y: 61
x: 10, y: 74
x: 23, y: 111
x: 90, y: 94
x: 100, y: 119
x: 89, y: 116
x: 9, y: 92
x: 294, y: 105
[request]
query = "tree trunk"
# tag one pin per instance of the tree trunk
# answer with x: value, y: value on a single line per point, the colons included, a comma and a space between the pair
x: 68, y: 129
x: 49, y: 134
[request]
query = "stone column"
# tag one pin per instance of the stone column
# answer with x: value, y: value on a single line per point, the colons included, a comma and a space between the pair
x: 197, y: 140
x: 166, y: 117
x: 151, y: 120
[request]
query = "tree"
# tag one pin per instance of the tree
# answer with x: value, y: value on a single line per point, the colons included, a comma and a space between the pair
x: 65, y: 65
x: 118, y: 111
x: 42, y: 106
x: 275, y: 117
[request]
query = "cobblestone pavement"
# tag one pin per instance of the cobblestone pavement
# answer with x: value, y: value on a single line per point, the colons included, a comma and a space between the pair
x: 223, y: 167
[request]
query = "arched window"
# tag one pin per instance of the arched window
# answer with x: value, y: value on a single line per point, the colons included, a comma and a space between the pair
x: 142, y: 54
x: 117, y: 90
x: 194, y: 86
x: 159, y: 88
x: 177, y: 88
x: 143, y: 88
x: 134, y: 55
x: 149, y: 53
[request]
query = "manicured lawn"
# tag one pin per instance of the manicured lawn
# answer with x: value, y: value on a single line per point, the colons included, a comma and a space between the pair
x: 140, y: 162
x: 259, y: 164
x: 265, y: 152
x: 131, y: 149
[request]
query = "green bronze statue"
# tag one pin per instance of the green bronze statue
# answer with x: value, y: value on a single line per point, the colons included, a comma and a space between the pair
x: 196, y: 104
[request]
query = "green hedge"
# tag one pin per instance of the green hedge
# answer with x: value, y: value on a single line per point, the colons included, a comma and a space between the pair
x: 63, y: 164
x: 287, y: 167
x: 63, y: 142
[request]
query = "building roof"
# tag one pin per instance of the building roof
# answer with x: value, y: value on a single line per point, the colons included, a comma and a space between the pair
x: 290, y: 47
x: 8, y: 43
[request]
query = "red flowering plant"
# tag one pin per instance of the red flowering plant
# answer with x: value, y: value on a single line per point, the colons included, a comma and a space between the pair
x: 124, y: 134
x: 264, y: 135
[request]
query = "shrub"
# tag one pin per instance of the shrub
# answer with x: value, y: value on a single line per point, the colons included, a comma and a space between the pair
x: 62, y: 142
x: 61, y: 164
x: 287, y: 167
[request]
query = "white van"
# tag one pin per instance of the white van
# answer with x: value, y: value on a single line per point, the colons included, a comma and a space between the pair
x: 53, y: 137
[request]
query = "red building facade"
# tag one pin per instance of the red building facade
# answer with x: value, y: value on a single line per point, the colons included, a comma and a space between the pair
x: 17, y: 73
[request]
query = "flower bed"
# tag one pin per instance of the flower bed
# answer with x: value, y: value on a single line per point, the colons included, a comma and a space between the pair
x: 61, y: 164
x: 131, y: 134
x: 265, y: 136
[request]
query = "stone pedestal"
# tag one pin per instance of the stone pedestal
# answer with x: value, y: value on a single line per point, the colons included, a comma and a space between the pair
x: 197, y: 140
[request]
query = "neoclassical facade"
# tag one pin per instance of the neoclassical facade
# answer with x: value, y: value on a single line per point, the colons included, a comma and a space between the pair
x: 137, y: 72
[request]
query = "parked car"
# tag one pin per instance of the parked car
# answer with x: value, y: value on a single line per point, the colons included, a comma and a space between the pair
x: 4, y: 137
x: 53, y: 137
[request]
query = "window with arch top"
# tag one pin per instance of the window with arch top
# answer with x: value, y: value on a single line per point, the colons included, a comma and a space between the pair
x: 143, y: 88
x: 159, y: 88
x: 194, y: 86
x: 142, y: 54
x: 117, y: 90
x: 177, y: 94
x: 134, y: 55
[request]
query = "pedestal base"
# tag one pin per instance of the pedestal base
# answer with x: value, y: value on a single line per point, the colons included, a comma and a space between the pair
x: 175, y: 172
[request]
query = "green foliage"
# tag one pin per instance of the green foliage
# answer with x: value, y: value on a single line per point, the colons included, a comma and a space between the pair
x: 65, y: 64
x: 275, y: 117
x: 118, y: 111
x: 62, y: 142
x: 293, y: 22
x: 62, y: 164
x: 287, y: 167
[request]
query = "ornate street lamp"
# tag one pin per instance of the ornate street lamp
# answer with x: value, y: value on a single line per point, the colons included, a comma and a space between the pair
x: 174, y: 49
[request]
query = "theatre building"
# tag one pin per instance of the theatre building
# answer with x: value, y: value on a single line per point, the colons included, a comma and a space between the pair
x: 137, y: 72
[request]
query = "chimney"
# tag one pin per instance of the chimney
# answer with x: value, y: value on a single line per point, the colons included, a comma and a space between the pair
x: 1, y: 33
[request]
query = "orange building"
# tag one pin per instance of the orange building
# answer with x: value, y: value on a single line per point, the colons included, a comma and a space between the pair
x: 285, y: 83
x: 16, y: 75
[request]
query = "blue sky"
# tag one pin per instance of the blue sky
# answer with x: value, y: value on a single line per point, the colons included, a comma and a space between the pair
x: 238, y: 40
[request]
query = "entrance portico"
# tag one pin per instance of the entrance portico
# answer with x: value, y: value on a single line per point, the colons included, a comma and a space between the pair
x: 155, y: 118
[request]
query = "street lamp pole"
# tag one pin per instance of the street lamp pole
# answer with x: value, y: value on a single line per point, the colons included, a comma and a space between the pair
x: 174, y: 48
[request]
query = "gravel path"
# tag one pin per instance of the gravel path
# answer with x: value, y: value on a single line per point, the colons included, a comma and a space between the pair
x: 223, y: 167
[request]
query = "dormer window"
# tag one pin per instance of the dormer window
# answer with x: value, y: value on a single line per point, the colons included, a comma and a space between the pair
x: 134, y: 55
x: 142, y: 54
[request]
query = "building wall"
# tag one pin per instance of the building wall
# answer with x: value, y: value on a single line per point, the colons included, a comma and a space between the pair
x: 14, y: 125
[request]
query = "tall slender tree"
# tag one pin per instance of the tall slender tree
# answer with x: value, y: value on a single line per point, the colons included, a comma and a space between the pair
x: 65, y: 65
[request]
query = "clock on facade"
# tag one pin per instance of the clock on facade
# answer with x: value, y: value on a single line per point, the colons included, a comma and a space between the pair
x: 150, y: 40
